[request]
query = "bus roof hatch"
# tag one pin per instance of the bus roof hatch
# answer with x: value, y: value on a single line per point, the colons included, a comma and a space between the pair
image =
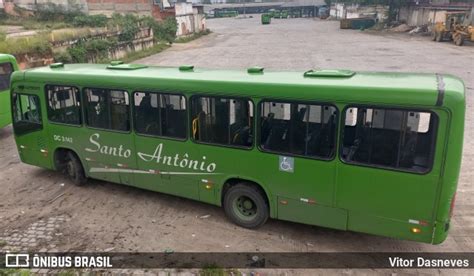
x: 333, y: 73
x: 126, y: 66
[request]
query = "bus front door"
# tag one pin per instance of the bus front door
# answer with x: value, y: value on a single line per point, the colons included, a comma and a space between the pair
x: 28, y: 127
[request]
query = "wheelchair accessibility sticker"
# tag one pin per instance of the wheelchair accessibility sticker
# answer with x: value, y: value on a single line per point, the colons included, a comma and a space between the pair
x: 287, y: 164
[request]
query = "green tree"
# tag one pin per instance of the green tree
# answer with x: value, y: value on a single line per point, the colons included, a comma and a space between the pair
x: 164, y: 30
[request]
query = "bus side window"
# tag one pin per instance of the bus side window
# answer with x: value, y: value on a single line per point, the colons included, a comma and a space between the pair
x: 393, y: 138
x: 107, y: 109
x: 64, y: 104
x: 225, y: 121
x: 160, y: 114
x: 6, y: 69
x: 298, y: 128
x: 26, y: 113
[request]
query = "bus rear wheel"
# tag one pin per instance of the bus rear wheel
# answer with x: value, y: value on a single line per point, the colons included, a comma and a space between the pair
x: 246, y: 206
x: 74, y: 169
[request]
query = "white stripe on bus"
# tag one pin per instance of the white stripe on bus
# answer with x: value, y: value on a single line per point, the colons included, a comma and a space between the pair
x: 115, y: 170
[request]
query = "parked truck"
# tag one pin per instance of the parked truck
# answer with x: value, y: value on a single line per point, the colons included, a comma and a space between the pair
x: 455, y: 27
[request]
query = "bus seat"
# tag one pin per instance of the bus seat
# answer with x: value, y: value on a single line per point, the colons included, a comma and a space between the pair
x: 267, y: 125
x: 195, y: 126
x: 242, y: 137
x: 199, y: 126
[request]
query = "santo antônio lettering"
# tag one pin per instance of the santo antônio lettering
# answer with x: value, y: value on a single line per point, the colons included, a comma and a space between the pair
x: 176, y: 160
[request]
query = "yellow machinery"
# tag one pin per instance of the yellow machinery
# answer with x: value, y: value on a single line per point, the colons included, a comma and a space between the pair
x: 454, y: 28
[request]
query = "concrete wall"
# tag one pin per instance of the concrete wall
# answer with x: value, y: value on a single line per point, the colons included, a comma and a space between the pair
x: 337, y: 11
x: 143, y: 40
x: 190, y: 19
x: 108, y: 7
x: 417, y: 16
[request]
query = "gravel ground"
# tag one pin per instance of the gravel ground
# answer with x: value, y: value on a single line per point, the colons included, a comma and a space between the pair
x: 41, y: 210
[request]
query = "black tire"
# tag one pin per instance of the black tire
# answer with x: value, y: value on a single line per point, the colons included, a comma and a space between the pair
x: 74, y: 169
x: 458, y: 40
x: 257, y: 215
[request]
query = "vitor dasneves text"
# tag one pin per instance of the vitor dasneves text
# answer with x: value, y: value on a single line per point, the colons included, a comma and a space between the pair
x: 424, y: 262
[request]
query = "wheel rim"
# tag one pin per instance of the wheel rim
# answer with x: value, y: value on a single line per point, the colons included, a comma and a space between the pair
x: 245, y: 208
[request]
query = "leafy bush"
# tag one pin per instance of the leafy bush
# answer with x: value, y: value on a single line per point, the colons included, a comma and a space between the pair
x: 127, y: 24
x: 32, y: 45
x: 69, y: 34
x: 3, y: 15
x: 132, y: 56
x: 63, y: 57
x: 95, y: 21
x: 96, y: 49
x: 99, y: 48
x: 164, y: 30
x: 128, y: 32
x: 78, y: 53
x: 50, y: 11
x: 3, y: 35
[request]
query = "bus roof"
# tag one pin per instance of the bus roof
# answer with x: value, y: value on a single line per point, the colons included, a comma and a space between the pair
x: 361, y: 87
x: 9, y: 58
x: 6, y: 57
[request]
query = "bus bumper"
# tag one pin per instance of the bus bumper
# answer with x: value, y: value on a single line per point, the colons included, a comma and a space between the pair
x: 440, y: 232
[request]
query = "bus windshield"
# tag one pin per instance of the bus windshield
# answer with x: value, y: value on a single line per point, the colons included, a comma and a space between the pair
x: 6, y: 69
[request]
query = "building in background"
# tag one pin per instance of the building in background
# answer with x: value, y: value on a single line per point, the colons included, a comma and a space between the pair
x: 427, y: 13
x: 191, y: 18
x: 350, y: 11
x: 414, y: 13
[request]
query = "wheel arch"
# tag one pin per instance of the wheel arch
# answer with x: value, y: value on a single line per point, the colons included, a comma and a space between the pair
x: 59, y: 155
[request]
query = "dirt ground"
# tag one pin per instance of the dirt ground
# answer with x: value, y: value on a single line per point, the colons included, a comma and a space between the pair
x: 41, y: 210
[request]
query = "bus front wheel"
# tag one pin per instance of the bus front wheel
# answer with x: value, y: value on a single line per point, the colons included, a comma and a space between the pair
x: 245, y: 205
x: 74, y: 169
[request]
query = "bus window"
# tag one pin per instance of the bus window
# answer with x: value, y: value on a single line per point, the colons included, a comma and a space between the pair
x: 298, y: 128
x: 107, y: 109
x: 26, y: 113
x: 223, y: 121
x: 6, y: 69
x: 64, y: 104
x: 391, y: 138
x: 160, y: 114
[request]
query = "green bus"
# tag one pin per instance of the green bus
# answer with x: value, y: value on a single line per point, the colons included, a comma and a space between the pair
x: 378, y: 153
x: 225, y: 13
x: 7, y: 66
